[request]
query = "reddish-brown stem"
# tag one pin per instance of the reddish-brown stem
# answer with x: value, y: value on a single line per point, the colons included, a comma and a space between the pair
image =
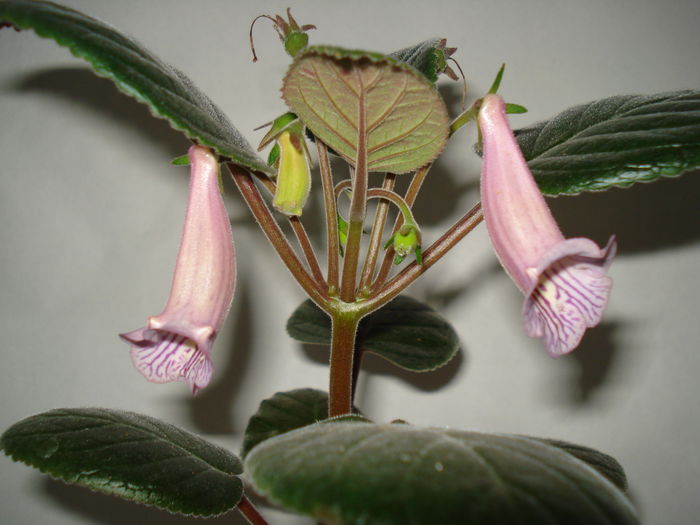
x: 331, y: 217
x: 430, y: 256
x: 250, y: 513
x: 307, y: 249
x: 410, y: 198
x: 273, y: 232
x: 375, y: 240
x: 342, y: 354
x: 301, y: 235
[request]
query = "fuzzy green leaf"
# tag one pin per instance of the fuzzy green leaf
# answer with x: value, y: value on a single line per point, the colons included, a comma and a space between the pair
x: 404, y: 122
x: 287, y: 411
x: 167, y: 92
x: 607, y: 465
x: 129, y: 455
x: 283, y: 412
x: 429, y: 57
x: 406, y: 332
x: 357, y: 473
x: 616, y: 141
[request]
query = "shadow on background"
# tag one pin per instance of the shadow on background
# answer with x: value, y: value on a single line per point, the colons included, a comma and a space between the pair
x: 212, y: 409
x: 110, y: 510
x: 81, y: 86
x: 593, y: 363
x: 644, y: 217
x: 373, y: 364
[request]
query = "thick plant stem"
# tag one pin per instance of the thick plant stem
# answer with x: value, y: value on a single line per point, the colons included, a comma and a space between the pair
x: 433, y: 254
x: 250, y: 513
x: 331, y: 217
x: 274, y: 234
x: 341, y: 371
x: 358, y: 208
x: 375, y: 239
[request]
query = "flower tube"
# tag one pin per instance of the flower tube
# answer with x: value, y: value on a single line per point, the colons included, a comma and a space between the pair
x: 176, y: 344
x: 564, y: 280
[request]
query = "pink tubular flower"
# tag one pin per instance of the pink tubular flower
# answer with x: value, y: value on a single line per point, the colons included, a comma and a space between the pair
x: 176, y: 345
x: 564, y: 280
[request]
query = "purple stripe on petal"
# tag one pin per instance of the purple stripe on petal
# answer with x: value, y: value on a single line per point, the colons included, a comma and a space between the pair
x: 165, y: 356
x: 569, y: 297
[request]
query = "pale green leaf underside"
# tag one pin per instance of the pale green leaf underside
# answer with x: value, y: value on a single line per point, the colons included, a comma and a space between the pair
x: 359, y: 473
x: 129, y: 455
x: 615, y: 141
x: 406, y: 122
x: 405, y: 332
x: 167, y: 92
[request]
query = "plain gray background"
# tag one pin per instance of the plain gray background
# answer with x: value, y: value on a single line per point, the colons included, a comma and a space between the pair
x: 91, y: 212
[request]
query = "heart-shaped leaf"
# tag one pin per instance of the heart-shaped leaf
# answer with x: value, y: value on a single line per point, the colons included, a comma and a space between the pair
x: 130, y: 455
x: 356, y: 473
x: 167, y: 92
x: 615, y: 141
x: 359, y: 100
x: 406, y: 332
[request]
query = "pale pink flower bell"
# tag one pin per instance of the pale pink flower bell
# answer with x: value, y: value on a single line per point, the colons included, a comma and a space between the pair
x: 564, y: 280
x: 176, y: 345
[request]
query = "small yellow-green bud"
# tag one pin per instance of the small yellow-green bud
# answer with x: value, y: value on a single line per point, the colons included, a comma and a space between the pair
x: 293, y: 176
x: 406, y: 241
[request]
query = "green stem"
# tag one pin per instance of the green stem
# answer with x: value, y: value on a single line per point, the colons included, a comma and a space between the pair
x: 344, y: 331
x: 375, y: 239
x: 274, y: 234
x: 409, y: 199
x: 402, y: 205
x: 430, y: 256
x: 250, y: 513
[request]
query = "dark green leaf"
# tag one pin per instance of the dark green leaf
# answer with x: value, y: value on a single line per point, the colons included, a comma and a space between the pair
x: 429, y: 57
x: 615, y: 141
x: 286, y: 411
x: 357, y: 101
x: 358, y: 473
x: 130, y: 455
x: 166, y: 91
x: 406, y: 332
x: 607, y: 465
x: 283, y: 412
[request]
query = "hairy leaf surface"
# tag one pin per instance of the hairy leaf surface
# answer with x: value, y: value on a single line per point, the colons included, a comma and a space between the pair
x: 130, y: 455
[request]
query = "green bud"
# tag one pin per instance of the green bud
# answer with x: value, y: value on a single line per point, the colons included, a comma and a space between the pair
x: 295, y: 42
x: 406, y: 241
